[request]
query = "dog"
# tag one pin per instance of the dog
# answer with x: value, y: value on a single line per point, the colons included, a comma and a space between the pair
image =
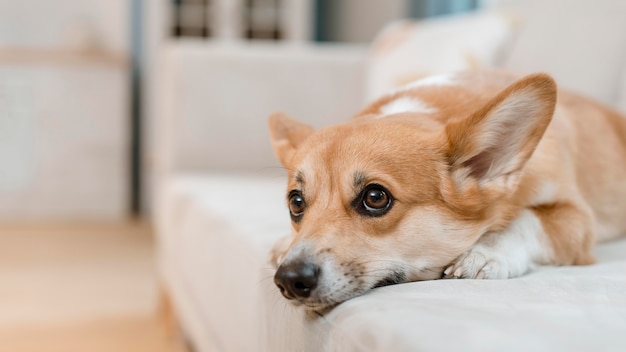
x: 471, y: 175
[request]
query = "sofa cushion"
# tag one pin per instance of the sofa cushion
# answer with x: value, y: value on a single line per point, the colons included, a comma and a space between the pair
x: 211, y: 262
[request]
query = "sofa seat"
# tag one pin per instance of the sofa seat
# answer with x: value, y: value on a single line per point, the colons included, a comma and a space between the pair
x: 215, y: 234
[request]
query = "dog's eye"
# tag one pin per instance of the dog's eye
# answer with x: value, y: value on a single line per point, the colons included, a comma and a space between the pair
x: 375, y: 200
x: 296, y: 205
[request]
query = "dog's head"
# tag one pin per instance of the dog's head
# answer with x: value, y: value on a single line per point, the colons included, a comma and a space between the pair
x: 375, y: 202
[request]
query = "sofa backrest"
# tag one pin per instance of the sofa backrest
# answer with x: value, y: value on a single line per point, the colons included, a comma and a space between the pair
x: 579, y: 42
x: 215, y: 100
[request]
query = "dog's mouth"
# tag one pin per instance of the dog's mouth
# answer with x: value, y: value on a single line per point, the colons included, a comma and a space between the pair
x: 397, y: 277
x: 353, y: 283
x: 313, y: 286
x: 325, y: 304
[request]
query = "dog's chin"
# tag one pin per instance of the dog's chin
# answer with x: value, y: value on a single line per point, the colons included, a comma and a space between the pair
x: 319, y: 308
x: 322, y: 306
x: 316, y: 306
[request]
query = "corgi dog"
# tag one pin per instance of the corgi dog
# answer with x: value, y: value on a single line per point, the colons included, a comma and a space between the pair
x: 472, y: 175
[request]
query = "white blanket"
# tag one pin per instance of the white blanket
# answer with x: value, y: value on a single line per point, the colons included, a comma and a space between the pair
x: 215, y: 233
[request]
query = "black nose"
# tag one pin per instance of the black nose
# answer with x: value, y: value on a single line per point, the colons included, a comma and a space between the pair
x: 297, y: 280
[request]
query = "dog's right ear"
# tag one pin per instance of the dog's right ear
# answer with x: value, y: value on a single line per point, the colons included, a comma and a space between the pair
x: 286, y: 135
x: 493, y: 144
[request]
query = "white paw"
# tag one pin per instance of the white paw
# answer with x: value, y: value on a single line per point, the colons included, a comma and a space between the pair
x: 480, y: 262
x: 502, y: 255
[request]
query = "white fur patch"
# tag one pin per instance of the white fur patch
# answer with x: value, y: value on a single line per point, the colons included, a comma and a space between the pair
x: 406, y: 104
x: 546, y: 193
x: 506, y: 254
x: 436, y: 80
x: 300, y: 250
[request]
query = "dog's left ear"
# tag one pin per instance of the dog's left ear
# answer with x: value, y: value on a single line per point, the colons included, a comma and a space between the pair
x: 286, y: 135
x: 493, y: 144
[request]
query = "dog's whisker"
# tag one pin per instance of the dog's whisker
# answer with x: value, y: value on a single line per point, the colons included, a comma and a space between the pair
x: 264, y: 279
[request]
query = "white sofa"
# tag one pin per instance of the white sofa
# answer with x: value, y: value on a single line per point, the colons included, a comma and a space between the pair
x: 216, y: 228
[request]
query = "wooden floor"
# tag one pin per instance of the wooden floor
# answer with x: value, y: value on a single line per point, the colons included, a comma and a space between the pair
x: 80, y: 287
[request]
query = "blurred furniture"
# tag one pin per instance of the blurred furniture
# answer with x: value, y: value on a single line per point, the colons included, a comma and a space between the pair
x: 64, y: 110
x: 220, y: 204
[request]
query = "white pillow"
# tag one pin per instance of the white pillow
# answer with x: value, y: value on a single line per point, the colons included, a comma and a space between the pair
x: 409, y: 50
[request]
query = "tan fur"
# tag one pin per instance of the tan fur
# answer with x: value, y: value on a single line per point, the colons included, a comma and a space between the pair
x: 566, y: 163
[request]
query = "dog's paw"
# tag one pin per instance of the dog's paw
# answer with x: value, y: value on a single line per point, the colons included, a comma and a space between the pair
x: 480, y: 262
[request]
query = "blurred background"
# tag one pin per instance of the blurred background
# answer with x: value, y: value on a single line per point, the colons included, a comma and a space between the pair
x: 103, y: 101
